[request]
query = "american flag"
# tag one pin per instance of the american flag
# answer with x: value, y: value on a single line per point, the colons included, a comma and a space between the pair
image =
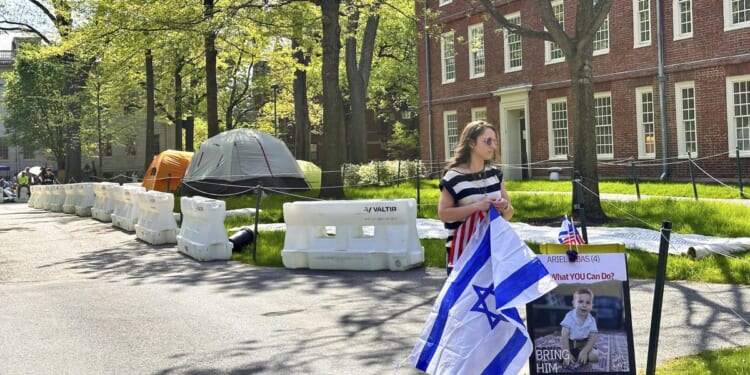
x: 463, y: 235
x: 569, y: 233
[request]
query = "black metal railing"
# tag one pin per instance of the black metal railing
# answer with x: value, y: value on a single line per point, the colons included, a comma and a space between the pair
x: 6, y: 57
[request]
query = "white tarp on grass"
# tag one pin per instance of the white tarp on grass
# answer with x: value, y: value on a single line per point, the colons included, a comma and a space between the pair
x: 633, y: 238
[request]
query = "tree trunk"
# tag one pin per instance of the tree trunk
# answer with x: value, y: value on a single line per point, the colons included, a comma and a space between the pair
x: 333, y: 150
x: 358, y: 75
x: 150, y: 110
x: 212, y: 108
x: 178, y: 104
x: 585, y: 163
x: 189, y: 133
x: 301, y: 110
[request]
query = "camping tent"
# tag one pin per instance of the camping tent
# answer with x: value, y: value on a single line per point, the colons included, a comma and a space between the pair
x: 313, y: 173
x: 166, y: 170
x: 235, y: 161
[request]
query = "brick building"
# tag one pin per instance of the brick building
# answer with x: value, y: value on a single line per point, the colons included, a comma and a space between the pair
x: 471, y: 69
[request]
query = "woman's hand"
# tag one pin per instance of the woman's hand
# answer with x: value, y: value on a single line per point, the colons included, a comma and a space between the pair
x: 501, y: 204
x: 483, y: 205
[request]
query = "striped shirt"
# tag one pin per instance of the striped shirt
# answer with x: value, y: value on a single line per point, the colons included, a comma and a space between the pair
x: 467, y: 188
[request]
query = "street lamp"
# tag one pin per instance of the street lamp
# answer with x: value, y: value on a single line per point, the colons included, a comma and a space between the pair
x: 275, y: 88
x: 407, y: 111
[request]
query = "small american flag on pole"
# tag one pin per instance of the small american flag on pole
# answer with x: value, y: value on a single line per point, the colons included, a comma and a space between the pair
x: 569, y: 233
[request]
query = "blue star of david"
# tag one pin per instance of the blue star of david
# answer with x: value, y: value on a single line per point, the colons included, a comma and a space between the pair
x: 481, y: 305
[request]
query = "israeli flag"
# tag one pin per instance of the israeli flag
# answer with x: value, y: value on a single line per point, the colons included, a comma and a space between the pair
x: 474, y: 326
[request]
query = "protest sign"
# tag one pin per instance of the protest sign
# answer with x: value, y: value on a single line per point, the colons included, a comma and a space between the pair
x: 584, y: 325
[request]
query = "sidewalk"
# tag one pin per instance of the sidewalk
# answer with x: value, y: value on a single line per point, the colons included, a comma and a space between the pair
x: 107, y: 303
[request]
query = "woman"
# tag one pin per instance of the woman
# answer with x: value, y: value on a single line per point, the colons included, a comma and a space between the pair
x: 470, y: 185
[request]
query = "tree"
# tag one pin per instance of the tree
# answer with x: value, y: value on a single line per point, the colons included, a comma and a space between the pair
x: 403, y: 143
x: 579, y: 55
x: 334, y: 154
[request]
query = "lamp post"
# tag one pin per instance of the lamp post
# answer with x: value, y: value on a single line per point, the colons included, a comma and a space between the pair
x: 275, y: 88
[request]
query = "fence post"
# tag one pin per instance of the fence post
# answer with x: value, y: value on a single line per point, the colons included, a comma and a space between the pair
x: 398, y: 173
x: 692, y: 177
x: 739, y: 173
x: 635, y: 180
x: 578, y: 205
x: 419, y: 184
x: 258, y: 192
x: 169, y: 181
x: 661, y: 271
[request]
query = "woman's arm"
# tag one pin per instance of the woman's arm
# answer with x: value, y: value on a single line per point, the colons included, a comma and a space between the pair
x: 503, y: 205
x: 448, y: 211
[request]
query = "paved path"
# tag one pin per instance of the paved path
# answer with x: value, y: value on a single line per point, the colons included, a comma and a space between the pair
x: 79, y: 297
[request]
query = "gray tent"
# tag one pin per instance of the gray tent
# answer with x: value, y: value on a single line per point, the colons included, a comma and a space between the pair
x: 238, y: 160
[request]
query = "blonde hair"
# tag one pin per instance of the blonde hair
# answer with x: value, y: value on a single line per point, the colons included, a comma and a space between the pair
x: 469, y: 135
x: 583, y: 290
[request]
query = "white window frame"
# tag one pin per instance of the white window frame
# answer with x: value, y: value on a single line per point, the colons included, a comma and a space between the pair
x: 445, y: 59
x: 641, y: 123
x: 553, y: 155
x: 448, y: 126
x: 728, y: 21
x: 506, y: 48
x: 606, y: 155
x: 603, y: 29
x: 731, y: 122
x: 677, y: 20
x: 477, y: 58
x: 680, y: 119
x: 637, y: 27
x: 445, y: 2
x: 479, y: 113
x: 550, y: 47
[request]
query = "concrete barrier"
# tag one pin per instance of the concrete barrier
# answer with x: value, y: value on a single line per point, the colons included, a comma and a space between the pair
x: 352, y: 235
x: 35, y: 193
x: 202, y: 234
x: 125, y: 214
x: 156, y: 224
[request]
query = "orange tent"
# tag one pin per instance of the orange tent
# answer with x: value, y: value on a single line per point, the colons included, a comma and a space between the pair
x: 166, y: 170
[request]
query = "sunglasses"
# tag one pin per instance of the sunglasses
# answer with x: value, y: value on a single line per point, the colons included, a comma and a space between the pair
x: 490, y: 142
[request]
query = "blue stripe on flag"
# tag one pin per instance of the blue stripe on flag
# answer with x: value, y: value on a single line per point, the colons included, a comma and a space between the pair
x: 477, y: 261
x: 507, y: 355
x: 519, y: 281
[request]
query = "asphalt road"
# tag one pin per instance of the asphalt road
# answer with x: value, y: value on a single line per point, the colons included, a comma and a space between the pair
x: 78, y: 296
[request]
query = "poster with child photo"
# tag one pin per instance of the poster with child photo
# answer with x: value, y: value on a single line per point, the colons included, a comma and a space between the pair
x: 583, y: 326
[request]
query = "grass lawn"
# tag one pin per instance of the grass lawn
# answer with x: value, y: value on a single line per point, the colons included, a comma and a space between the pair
x: 734, y: 361
x: 687, y: 216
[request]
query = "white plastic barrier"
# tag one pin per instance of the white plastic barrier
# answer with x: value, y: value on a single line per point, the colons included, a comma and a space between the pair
x: 352, y: 235
x: 86, y: 199
x: 49, y: 197
x: 103, y: 202
x: 156, y: 224
x: 24, y: 193
x: 71, y: 198
x: 35, y: 189
x: 202, y: 233
x: 126, y: 211
x: 42, y: 193
x: 58, y: 198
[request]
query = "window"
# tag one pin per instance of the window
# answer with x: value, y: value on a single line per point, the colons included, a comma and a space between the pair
x: 557, y: 123
x: 736, y: 14
x: 641, y: 23
x: 479, y: 113
x: 108, y: 147
x: 512, y: 45
x: 603, y: 125
x: 601, y: 38
x: 552, y: 52
x: 156, y: 144
x: 682, y: 20
x: 644, y: 108
x: 444, y: 2
x: 28, y: 151
x: 687, y: 141
x: 4, y: 148
x: 476, y: 51
x: 314, y: 151
x: 130, y: 146
x: 448, y: 57
x: 450, y: 123
x: 738, y: 115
